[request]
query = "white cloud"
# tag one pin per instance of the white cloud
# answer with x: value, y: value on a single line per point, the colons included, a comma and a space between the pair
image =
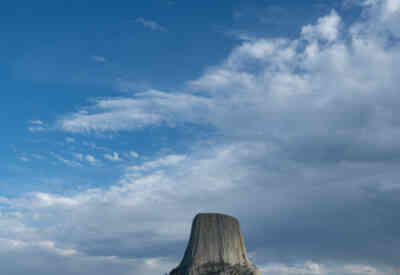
x: 88, y: 158
x: 361, y: 269
x: 392, y: 7
x: 91, y: 159
x: 114, y: 157
x: 47, y: 200
x: 94, y: 146
x: 99, y: 59
x: 327, y: 28
x: 46, y: 245
x: 36, y: 129
x: 312, y: 268
x: 69, y: 140
x: 36, y: 122
x: 155, y: 208
x: 70, y: 220
x: 134, y: 154
x: 38, y: 156
x: 145, y: 109
x: 384, y: 14
x: 38, y: 254
x: 37, y: 126
x: 308, y: 268
x: 161, y: 162
x: 68, y: 162
x: 153, y: 25
x: 24, y: 159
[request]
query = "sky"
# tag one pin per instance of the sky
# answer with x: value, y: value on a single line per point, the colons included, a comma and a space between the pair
x: 124, y: 119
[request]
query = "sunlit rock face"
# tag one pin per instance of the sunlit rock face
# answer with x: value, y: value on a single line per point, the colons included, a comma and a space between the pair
x: 216, y: 247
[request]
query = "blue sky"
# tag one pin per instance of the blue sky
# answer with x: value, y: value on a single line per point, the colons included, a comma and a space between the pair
x: 122, y: 120
x: 58, y: 57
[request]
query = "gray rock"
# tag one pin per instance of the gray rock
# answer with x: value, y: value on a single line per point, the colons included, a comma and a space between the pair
x: 216, y: 247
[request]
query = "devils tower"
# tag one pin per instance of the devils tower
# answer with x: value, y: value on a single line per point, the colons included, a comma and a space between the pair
x: 215, y: 247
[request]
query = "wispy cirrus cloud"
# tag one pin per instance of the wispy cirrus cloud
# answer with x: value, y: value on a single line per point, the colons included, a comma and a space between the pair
x: 64, y: 160
x: 99, y: 59
x: 69, y: 140
x: 150, y: 24
x: 24, y: 159
x: 134, y: 154
x: 166, y: 161
x: 37, y: 126
x: 144, y: 109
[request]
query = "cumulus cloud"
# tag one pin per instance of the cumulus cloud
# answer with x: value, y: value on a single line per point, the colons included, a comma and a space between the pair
x: 114, y: 157
x: 327, y: 28
x: 93, y: 221
x: 38, y: 255
x: 91, y: 159
x: 147, y: 215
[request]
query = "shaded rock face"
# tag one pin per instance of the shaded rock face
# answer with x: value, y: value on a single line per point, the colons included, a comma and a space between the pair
x: 216, y: 247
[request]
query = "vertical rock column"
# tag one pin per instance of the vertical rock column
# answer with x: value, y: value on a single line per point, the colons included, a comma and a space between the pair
x: 215, y: 247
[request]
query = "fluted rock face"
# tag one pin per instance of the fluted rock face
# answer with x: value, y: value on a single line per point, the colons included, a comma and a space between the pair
x: 216, y: 247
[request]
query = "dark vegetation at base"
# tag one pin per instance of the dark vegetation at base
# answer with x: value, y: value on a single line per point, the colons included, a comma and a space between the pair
x: 213, y: 269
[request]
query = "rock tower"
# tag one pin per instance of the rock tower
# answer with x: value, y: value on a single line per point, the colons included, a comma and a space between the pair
x: 216, y: 247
